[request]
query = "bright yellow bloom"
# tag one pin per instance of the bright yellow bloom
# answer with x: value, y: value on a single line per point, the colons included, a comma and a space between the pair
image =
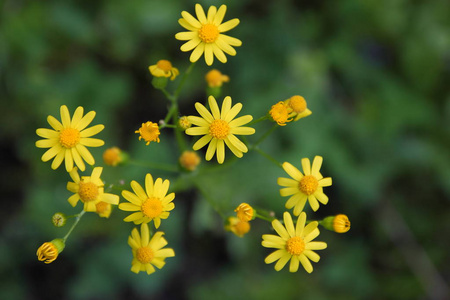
x: 219, y: 128
x: 89, y: 189
x: 297, y: 106
x: 237, y: 226
x: 189, y: 160
x: 149, y: 204
x: 307, y: 186
x: 49, y: 251
x: 280, y: 113
x: 112, y: 156
x: 164, y: 68
x: 148, y: 253
x: 293, y: 243
x: 205, y: 34
x: 244, y: 212
x: 68, y: 140
x: 215, y: 78
x: 103, y: 209
x: 149, y: 132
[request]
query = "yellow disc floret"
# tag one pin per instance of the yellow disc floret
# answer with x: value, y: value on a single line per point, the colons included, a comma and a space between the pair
x: 308, y: 184
x: 69, y: 137
x: 145, y: 255
x: 152, y: 207
x: 88, y: 191
x: 219, y: 129
x: 208, y: 33
x: 295, y: 245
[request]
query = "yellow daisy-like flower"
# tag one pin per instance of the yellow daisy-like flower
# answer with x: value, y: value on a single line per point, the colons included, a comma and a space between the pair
x: 164, y: 68
x: 293, y: 243
x: 148, y: 253
x: 205, y: 34
x: 307, y: 186
x: 68, y: 140
x: 149, y: 132
x: 149, y: 204
x: 89, y: 189
x: 219, y: 128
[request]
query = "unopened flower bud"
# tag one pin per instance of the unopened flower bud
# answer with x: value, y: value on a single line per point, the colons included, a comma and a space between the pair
x: 49, y: 251
x: 238, y: 227
x: 339, y: 223
x: 59, y: 219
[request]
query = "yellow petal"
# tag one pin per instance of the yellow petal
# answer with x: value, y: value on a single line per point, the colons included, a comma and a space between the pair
x: 90, y: 142
x: 91, y: 131
x: 233, y: 112
x: 220, y: 151
x: 77, y: 115
x: 85, y: 154
x: 218, y: 18
x: 306, y: 165
x: 85, y: 121
x: 317, y: 163
x: 305, y: 263
x: 149, y: 184
x: 202, y: 142
x: 54, y: 123
x: 188, y: 46
x: 292, y: 171
x: 65, y: 116
x: 224, y: 27
x: 274, y: 256
x: 293, y: 266
x: 214, y: 107
x: 241, y: 121
x: 209, y: 55
x: 211, y: 149
x: 191, y: 20
x: 204, y: 112
x: 200, y: 13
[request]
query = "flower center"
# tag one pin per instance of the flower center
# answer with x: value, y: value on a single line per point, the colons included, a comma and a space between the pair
x: 88, y: 191
x: 145, y: 255
x: 298, y: 104
x: 208, y: 33
x: 69, y: 137
x: 295, y: 245
x: 219, y: 129
x: 101, y: 207
x: 164, y: 65
x: 308, y: 184
x: 152, y: 207
x: 279, y: 113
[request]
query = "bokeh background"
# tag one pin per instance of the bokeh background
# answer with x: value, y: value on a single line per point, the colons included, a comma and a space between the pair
x: 374, y: 73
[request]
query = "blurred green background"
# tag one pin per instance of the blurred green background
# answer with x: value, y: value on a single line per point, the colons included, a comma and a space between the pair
x: 374, y: 73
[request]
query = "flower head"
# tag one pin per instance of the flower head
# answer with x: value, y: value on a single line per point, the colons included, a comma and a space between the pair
x: 280, y: 113
x: 293, y: 243
x: 148, y: 253
x: 149, y: 132
x: 189, y: 160
x: 59, y: 219
x: 103, y: 209
x: 113, y: 156
x: 164, y: 68
x: 206, y: 36
x: 218, y: 128
x: 49, y: 251
x: 244, y: 212
x: 297, y: 107
x: 339, y: 223
x: 89, y: 189
x: 302, y: 187
x: 149, y: 204
x: 184, y: 123
x: 237, y: 226
x: 69, y: 138
x: 215, y: 78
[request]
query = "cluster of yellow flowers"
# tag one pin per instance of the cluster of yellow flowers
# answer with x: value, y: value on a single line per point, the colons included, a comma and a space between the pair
x: 217, y: 126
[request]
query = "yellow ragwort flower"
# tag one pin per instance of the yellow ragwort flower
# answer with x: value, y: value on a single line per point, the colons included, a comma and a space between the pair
x: 297, y: 105
x: 49, y: 251
x: 219, y: 128
x: 164, y: 68
x: 237, y: 226
x: 307, y: 186
x: 103, y: 209
x: 89, y: 189
x: 280, y: 113
x: 68, y: 140
x: 205, y: 34
x: 293, y: 243
x: 215, y: 78
x: 189, y: 160
x: 244, y: 212
x: 148, y: 253
x: 149, y: 132
x: 149, y: 204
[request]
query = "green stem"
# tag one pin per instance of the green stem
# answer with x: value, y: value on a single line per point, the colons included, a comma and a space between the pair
x: 183, y: 80
x: 265, y: 218
x: 257, y: 120
x: 264, y: 154
x: 169, y: 97
x: 74, y: 225
x: 157, y: 166
x: 265, y: 135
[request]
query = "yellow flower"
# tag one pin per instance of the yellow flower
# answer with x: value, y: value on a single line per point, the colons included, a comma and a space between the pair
x: 189, y: 160
x: 149, y: 132
x: 280, y: 113
x: 339, y: 223
x: 215, y: 78
x: 237, y: 226
x: 293, y: 243
x: 302, y: 187
x: 219, y: 128
x: 164, y: 68
x: 297, y: 105
x: 68, y: 140
x: 151, y: 204
x: 205, y: 34
x: 244, y: 212
x: 112, y: 156
x: 103, y: 209
x: 89, y: 189
x: 49, y: 251
x: 148, y: 253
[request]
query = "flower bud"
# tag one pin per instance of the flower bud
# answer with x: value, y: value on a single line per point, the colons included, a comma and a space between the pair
x: 238, y: 227
x: 339, y: 223
x: 49, y: 251
x: 59, y: 219
x: 184, y: 123
x: 114, y: 156
x: 245, y: 212
x: 189, y: 160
